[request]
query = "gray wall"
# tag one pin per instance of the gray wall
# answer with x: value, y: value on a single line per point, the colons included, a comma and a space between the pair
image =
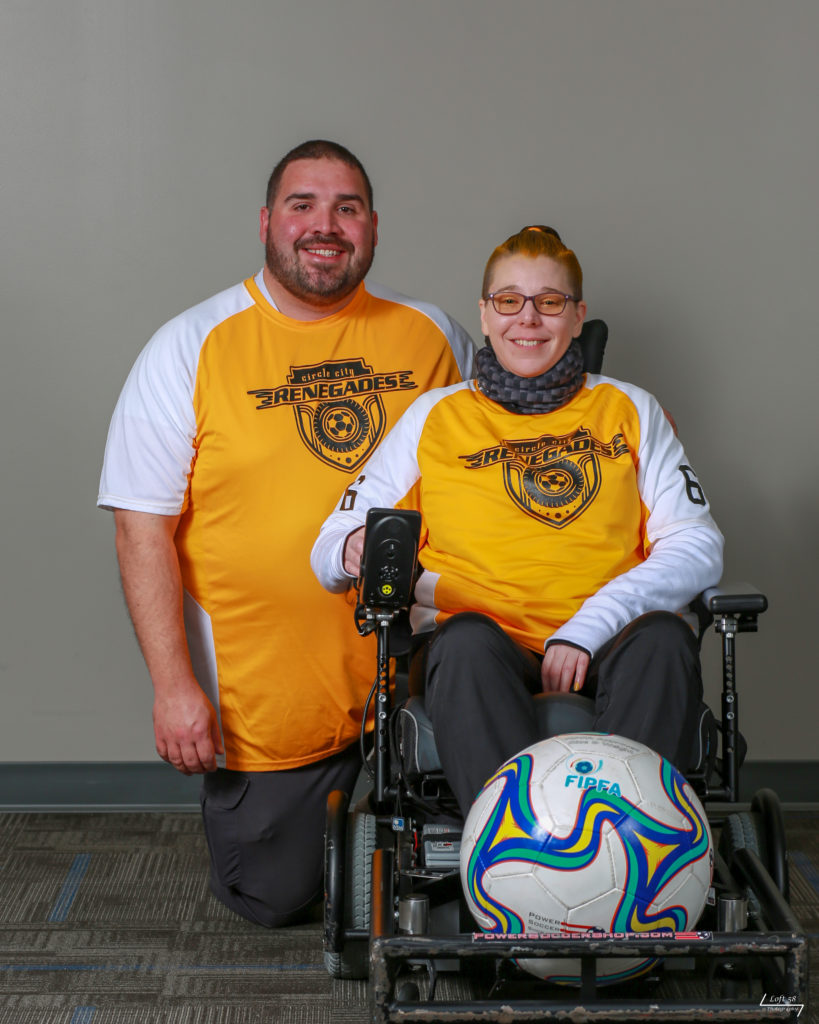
x: 674, y: 144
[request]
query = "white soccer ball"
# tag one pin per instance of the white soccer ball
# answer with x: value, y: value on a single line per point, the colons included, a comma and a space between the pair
x: 582, y: 833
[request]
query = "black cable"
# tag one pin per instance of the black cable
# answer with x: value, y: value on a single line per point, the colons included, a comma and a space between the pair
x: 363, y: 733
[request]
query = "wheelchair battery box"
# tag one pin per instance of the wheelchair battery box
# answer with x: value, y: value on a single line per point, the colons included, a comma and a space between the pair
x: 390, y: 557
x: 442, y: 847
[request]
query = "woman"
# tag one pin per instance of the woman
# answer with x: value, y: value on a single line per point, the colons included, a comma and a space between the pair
x: 563, y: 530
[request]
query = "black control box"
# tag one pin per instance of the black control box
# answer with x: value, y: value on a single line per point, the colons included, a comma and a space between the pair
x: 390, y: 557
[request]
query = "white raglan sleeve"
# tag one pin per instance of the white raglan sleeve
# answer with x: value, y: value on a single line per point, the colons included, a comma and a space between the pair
x: 150, y: 446
x: 388, y: 476
x: 685, y: 546
x: 151, y: 443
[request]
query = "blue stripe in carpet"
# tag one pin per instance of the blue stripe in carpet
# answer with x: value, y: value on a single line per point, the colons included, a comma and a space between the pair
x: 76, y: 873
x: 806, y: 867
x: 83, y: 1015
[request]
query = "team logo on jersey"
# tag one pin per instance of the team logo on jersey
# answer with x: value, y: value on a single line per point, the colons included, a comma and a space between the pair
x: 552, y: 479
x: 338, y: 407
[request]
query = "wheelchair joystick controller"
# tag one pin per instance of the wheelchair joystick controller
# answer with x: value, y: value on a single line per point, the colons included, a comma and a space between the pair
x: 389, y: 559
x: 388, y: 567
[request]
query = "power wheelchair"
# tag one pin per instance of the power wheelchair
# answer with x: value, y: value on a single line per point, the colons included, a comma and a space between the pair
x: 393, y: 909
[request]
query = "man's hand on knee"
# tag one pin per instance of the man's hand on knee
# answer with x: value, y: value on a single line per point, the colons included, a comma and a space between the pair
x: 564, y: 668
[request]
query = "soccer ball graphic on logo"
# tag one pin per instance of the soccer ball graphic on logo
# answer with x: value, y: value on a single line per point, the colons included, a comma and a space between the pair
x: 586, y: 833
x: 341, y: 424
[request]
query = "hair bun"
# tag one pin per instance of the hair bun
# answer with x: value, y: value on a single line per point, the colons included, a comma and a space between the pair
x: 545, y: 229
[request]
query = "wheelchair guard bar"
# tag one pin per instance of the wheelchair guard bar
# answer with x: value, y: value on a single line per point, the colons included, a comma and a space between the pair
x: 781, y: 956
x: 388, y: 952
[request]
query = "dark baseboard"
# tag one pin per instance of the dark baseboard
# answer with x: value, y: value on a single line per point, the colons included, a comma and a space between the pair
x: 795, y: 782
x: 73, y: 786
x: 136, y: 785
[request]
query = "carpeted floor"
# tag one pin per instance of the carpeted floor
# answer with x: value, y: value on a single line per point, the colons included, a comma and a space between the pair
x: 107, y: 919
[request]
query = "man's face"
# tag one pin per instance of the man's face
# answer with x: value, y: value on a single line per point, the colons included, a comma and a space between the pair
x: 319, y: 234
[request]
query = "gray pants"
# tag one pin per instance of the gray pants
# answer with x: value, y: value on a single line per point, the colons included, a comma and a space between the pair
x: 646, y: 684
x: 265, y: 833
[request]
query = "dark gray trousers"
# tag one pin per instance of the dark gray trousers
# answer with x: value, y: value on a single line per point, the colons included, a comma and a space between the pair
x: 265, y: 833
x: 646, y: 684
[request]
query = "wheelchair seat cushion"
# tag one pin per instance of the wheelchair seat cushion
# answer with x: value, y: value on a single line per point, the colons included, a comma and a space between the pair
x: 416, y: 743
x: 557, y: 713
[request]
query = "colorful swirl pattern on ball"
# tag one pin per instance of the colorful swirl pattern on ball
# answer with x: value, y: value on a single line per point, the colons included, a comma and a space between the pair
x: 655, y: 851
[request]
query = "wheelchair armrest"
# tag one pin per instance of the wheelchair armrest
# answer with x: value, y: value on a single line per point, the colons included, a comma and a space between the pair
x: 734, y: 599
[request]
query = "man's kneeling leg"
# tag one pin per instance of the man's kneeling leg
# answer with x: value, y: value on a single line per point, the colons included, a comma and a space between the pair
x: 265, y: 833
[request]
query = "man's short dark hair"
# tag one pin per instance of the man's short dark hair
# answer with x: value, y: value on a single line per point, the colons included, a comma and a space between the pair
x: 316, y: 149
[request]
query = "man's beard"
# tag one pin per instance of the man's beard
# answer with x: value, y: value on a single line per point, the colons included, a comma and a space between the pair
x: 319, y: 286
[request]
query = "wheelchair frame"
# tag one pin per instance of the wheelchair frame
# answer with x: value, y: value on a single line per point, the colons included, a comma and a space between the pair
x: 754, y: 870
x: 779, y: 954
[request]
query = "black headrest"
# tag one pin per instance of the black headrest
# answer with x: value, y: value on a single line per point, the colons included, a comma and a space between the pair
x: 593, y: 340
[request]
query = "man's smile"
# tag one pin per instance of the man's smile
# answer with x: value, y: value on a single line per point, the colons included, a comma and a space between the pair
x: 324, y: 252
x: 324, y: 248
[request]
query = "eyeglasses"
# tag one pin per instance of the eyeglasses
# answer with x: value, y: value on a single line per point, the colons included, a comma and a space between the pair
x: 546, y: 303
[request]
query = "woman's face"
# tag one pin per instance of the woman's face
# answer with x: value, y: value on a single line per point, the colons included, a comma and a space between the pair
x: 529, y: 343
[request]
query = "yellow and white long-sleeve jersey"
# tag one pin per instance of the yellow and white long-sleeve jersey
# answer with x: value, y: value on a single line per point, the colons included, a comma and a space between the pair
x: 249, y: 424
x: 559, y: 526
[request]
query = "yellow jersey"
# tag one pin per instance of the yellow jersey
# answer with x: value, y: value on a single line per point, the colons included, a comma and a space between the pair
x: 560, y: 526
x: 249, y: 424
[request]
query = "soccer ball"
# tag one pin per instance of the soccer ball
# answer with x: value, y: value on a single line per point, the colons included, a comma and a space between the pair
x: 586, y: 833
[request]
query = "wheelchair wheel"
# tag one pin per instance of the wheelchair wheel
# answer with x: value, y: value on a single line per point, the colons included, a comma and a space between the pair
x: 761, y: 830
x: 766, y: 804
x: 353, y: 962
x: 743, y: 831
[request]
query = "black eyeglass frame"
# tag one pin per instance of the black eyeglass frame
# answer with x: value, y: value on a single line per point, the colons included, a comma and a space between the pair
x: 551, y: 291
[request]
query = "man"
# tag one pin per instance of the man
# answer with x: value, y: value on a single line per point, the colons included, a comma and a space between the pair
x: 239, y: 425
